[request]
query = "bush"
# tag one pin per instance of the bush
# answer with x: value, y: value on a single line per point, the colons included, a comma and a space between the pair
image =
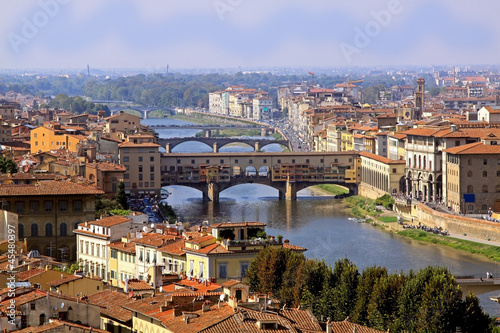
x: 386, y: 200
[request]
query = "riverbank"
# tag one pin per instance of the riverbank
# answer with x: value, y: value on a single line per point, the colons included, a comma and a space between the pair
x: 361, y: 207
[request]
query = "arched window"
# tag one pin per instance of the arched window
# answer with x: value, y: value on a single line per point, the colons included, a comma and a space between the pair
x: 497, y: 188
x: 63, y: 229
x: 469, y: 189
x: 34, y: 230
x: 41, y: 320
x: 485, y: 189
x: 425, y: 164
x: 20, y: 231
x: 48, y: 230
x: 76, y: 225
x: 469, y: 173
x: 485, y: 173
x: 484, y: 207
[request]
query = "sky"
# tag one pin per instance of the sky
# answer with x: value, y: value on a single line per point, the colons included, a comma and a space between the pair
x: 249, y: 34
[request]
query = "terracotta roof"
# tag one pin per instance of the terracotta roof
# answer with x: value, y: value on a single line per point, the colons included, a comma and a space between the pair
x: 58, y: 282
x: 56, y: 326
x: 23, y: 299
x: 381, y: 159
x: 477, y: 148
x: 175, y: 248
x: 201, y: 320
x: 238, y: 224
x: 47, y: 187
x: 194, y: 286
x: 123, y: 247
x: 200, y: 239
x: 231, y: 283
x: 156, y: 240
x: 139, y: 145
x: 107, y: 166
x: 109, y: 221
x: 137, y: 285
x: 111, y: 302
x: 23, y: 276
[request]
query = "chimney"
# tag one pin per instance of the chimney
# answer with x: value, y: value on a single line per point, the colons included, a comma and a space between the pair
x: 329, y: 326
x: 205, y: 306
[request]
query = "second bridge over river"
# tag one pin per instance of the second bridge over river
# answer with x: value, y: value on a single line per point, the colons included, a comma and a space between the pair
x: 217, y: 143
x: 289, y: 173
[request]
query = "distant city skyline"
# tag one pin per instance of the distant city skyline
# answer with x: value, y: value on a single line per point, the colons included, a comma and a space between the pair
x: 247, y: 34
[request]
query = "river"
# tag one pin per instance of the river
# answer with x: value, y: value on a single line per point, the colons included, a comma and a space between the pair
x: 318, y: 223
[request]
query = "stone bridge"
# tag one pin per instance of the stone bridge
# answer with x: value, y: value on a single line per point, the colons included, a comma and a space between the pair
x: 143, y: 110
x: 217, y: 143
x: 212, y: 173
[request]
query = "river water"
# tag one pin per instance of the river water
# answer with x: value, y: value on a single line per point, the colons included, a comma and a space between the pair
x: 318, y: 223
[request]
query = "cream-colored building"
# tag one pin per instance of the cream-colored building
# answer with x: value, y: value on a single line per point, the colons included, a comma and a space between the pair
x: 382, y: 173
x: 121, y: 262
x: 148, y: 264
x: 94, y: 237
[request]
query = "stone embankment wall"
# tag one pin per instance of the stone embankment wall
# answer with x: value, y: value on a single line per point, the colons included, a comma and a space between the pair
x: 369, y: 191
x: 455, y: 224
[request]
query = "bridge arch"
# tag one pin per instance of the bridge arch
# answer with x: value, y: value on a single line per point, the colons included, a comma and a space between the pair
x: 179, y: 145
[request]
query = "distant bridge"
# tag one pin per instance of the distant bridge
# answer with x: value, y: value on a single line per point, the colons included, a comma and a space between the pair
x: 212, y: 173
x: 206, y: 127
x: 218, y: 143
x: 144, y: 110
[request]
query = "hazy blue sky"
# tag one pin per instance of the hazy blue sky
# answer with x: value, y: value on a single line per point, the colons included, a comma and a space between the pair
x: 246, y: 33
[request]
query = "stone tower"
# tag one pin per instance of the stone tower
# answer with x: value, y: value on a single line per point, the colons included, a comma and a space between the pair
x: 419, y: 98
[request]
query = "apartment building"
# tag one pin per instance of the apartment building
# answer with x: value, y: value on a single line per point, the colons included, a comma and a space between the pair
x: 52, y: 136
x: 142, y: 165
x: 93, y: 239
x: 473, y: 178
x: 121, y: 122
x: 47, y: 212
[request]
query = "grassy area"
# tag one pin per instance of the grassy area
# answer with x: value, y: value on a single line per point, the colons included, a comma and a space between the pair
x: 334, y: 189
x: 159, y: 114
x: 489, y: 251
x: 387, y: 219
x: 361, y: 206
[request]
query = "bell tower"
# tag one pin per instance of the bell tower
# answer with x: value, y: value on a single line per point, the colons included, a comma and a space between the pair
x: 419, y: 99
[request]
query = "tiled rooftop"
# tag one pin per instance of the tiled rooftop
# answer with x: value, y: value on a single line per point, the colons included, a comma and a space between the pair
x: 48, y: 187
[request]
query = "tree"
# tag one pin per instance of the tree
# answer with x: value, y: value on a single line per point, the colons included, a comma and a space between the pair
x: 7, y: 165
x: 346, y: 277
x: 368, y: 279
x: 121, y: 197
x: 105, y: 206
x: 474, y: 319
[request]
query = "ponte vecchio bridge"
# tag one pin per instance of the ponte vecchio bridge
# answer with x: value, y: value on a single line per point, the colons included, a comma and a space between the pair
x: 289, y: 173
